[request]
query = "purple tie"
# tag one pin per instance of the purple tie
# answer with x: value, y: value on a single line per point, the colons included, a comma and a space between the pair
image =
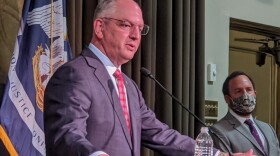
x: 254, y: 132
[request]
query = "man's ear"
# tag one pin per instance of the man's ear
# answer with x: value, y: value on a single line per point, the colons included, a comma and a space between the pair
x: 98, y: 25
x: 227, y: 99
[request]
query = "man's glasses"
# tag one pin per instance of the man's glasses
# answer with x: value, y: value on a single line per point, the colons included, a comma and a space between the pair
x: 128, y: 26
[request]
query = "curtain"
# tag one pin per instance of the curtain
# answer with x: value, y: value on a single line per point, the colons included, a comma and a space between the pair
x: 173, y: 51
x: 277, y: 129
x: 10, y: 14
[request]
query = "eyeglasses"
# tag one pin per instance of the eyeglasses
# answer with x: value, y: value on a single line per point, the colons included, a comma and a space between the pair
x: 128, y: 26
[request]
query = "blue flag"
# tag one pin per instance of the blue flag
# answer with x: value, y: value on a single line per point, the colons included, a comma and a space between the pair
x: 41, y: 47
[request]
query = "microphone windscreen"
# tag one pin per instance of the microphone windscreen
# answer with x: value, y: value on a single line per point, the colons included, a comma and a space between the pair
x: 145, y: 71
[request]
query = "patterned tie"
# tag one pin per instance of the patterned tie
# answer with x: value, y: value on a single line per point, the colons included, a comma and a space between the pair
x: 254, y: 132
x: 120, y: 84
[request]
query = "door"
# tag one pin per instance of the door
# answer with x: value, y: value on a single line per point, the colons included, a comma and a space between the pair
x: 242, y: 56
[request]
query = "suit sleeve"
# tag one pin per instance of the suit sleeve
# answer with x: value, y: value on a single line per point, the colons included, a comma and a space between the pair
x: 275, y: 142
x: 220, y: 141
x: 65, y: 113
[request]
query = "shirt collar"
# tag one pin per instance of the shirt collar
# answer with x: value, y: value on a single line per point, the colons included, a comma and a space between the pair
x: 104, y: 59
x: 238, y: 117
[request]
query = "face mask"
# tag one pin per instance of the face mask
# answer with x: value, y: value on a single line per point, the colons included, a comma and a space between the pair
x: 244, y: 104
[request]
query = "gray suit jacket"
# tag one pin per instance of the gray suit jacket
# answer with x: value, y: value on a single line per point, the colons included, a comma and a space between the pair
x: 82, y: 114
x: 231, y: 136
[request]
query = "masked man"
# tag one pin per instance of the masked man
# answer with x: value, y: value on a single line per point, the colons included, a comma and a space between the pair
x: 238, y: 130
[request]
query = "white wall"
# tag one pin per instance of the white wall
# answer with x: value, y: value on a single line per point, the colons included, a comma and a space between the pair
x: 217, y: 18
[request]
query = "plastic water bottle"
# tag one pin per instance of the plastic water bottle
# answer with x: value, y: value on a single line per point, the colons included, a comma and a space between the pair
x: 203, y: 143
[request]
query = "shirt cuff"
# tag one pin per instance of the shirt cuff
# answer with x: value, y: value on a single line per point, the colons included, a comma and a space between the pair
x: 219, y: 153
x: 97, y: 153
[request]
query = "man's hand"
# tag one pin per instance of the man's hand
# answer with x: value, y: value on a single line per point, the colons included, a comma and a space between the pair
x: 248, y: 153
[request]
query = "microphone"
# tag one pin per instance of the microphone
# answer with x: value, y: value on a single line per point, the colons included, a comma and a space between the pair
x: 148, y: 73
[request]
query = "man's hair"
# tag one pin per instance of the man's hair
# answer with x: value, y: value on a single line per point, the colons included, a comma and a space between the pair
x: 102, y: 7
x: 232, y: 76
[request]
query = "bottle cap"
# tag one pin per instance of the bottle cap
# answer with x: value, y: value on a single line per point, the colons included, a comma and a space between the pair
x: 204, y: 129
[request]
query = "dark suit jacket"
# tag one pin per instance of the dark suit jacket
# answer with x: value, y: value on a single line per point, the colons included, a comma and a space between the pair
x: 83, y: 115
x: 229, y: 135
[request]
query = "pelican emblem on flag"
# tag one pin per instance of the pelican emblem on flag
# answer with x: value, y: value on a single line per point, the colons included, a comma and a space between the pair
x: 46, y: 61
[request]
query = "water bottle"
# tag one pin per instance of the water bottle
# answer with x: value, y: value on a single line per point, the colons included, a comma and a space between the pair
x: 203, y: 143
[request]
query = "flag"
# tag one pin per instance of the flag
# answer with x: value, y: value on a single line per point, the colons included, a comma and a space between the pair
x: 41, y: 47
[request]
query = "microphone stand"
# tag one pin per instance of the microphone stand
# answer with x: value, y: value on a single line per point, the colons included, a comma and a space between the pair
x: 147, y: 73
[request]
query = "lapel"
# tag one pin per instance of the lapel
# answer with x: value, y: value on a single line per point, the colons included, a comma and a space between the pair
x: 104, y: 79
x: 243, y: 131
